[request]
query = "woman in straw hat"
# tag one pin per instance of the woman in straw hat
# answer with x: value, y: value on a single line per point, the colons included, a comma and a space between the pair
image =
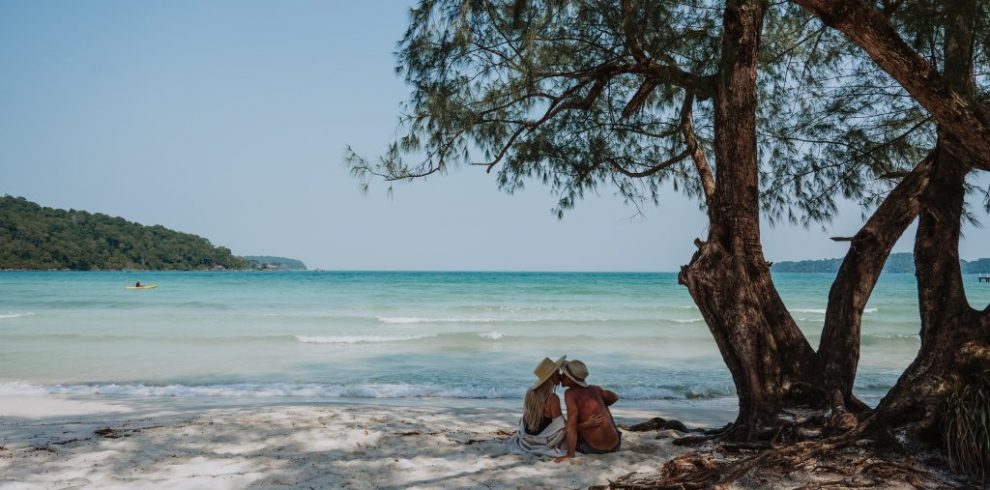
x: 543, y: 429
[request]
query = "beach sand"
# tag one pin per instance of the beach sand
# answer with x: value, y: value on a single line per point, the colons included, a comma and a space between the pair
x: 55, y: 442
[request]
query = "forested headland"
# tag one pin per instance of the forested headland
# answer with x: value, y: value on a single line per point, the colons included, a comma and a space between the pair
x: 270, y: 263
x: 896, y: 263
x: 33, y: 237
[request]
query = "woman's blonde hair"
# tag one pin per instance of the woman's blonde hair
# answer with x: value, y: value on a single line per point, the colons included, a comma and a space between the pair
x: 534, y: 403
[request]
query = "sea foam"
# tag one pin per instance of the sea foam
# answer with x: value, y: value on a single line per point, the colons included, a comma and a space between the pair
x: 359, y: 339
x: 810, y: 310
x: 414, y: 319
x: 822, y: 311
x: 7, y: 316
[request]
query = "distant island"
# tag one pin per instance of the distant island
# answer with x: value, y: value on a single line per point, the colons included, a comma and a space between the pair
x: 269, y: 263
x: 33, y: 237
x: 897, y: 262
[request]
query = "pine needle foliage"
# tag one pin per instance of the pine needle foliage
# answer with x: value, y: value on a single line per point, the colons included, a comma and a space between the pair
x: 586, y: 95
x: 967, y: 432
x: 553, y: 91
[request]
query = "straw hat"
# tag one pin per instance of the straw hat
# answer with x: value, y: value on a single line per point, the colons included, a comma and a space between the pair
x: 545, y: 369
x: 577, y: 371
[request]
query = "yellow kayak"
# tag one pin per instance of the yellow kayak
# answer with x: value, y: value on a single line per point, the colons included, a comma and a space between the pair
x: 150, y: 286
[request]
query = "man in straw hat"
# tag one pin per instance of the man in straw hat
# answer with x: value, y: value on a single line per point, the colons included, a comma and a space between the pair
x: 542, y: 428
x: 583, y: 402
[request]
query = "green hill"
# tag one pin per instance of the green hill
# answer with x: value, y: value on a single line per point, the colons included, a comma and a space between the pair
x: 267, y: 262
x: 36, y: 237
x: 898, y: 262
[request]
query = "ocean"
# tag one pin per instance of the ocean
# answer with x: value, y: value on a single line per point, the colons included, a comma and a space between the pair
x: 411, y: 335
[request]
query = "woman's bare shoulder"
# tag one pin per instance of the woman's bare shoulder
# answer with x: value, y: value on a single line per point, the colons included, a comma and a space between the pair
x: 553, y: 405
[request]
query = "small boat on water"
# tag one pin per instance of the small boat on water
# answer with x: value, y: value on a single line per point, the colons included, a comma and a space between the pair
x: 149, y: 286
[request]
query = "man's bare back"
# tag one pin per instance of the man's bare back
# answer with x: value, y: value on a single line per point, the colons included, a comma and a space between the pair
x: 586, y: 403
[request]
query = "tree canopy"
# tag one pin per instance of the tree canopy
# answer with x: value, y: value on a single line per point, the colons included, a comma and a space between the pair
x: 582, y: 94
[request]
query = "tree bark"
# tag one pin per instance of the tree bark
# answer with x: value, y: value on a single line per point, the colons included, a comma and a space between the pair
x: 838, y: 351
x: 955, y: 338
x: 965, y: 121
x: 728, y: 277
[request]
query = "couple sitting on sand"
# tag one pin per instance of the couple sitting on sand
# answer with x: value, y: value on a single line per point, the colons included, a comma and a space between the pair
x: 589, y: 427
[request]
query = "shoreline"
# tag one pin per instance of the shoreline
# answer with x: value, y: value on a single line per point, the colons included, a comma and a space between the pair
x: 57, y: 441
x: 702, y: 412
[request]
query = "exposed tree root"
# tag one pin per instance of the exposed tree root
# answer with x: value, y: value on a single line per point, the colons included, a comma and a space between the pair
x: 854, y: 459
x: 794, y: 425
x: 659, y: 423
x: 845, y: 468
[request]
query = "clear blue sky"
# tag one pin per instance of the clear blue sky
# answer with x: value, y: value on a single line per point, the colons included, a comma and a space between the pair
x: 229, y: 119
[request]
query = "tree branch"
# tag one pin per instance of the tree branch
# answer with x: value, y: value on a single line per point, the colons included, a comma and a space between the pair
x: 632, y: 40
x: 697, y: 153
x: 555, y: 108
x: 639, y: 98
x: 654, y: 169
x: 963, y: 117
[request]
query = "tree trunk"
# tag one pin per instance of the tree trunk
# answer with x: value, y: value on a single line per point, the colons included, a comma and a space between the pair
x: 955, y: 338
x: 728, y: 277
x: 838, y: 351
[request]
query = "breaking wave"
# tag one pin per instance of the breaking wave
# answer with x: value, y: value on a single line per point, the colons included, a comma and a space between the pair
x: 8, y: 316
x: 359, y: 339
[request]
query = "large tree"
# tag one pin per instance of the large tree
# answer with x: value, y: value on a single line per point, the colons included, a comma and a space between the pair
x: 939, y: 53
x: 578, y: 94
x: 744, y: 105
x: 954, y: 357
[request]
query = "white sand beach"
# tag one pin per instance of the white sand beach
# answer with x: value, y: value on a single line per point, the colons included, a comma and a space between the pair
x: 55, y: 442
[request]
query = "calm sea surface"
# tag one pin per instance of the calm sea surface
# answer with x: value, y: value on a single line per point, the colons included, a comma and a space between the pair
x: 396, y: 334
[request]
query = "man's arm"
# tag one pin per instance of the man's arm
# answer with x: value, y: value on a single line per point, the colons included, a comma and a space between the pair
x: 572, y: 426
x: 609, y: 397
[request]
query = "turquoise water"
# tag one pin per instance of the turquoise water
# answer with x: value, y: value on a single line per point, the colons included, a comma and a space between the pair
x: 396, y: 334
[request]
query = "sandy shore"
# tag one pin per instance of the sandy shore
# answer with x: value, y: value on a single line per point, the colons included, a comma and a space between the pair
x: 54, y: 442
